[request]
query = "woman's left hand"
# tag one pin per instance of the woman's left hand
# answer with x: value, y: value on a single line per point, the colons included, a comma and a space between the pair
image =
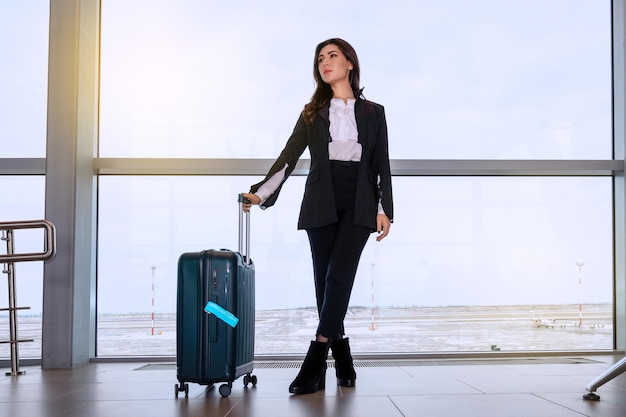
x: 382, y: 226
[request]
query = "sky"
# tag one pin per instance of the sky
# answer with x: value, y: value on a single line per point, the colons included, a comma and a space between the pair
x: 484, y: 79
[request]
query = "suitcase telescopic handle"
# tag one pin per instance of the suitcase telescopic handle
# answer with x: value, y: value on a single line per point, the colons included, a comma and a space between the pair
x: 246, y: 255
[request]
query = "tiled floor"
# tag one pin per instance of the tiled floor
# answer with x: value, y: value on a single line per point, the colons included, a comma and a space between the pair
x: 504, y: 387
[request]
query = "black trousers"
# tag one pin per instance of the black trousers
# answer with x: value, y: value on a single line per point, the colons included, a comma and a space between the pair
x: 336, y: 250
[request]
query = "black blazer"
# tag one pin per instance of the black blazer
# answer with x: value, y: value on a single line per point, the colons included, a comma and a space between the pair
x: 318, y: 205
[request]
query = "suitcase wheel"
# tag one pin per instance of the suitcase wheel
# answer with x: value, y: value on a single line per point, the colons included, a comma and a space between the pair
x: 182, y: 387
x: 225, y: 389
x: 249, y: 379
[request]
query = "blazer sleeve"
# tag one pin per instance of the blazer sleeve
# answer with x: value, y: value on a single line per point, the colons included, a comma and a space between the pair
x: 382, y: 166
x: 289, y: 156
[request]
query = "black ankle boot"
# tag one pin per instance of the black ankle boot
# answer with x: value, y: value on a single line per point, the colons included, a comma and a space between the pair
x: 344, y: 366
x: 312, y: 375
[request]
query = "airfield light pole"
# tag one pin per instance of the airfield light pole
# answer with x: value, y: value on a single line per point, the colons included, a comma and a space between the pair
x: 580, y: 300
x: 373, y: 326
x: 153, y: 268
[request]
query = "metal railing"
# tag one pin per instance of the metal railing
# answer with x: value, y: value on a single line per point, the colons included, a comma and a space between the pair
x: 9, y: 259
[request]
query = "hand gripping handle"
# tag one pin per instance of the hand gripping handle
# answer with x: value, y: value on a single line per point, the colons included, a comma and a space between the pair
x: 244, y: 240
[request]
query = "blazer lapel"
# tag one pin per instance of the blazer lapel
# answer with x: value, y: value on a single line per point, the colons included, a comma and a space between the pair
x: 324, y: 112
x: 321, y: 134
x: 361, y: 122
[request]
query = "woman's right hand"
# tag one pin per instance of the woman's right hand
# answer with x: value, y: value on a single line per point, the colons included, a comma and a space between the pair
x: 253, y: 200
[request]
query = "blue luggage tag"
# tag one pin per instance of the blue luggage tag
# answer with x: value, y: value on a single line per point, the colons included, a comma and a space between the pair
x: 222, y: 314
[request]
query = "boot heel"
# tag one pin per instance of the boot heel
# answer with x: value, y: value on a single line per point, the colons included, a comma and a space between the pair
x: 321, y: 384
x: 350, y: 383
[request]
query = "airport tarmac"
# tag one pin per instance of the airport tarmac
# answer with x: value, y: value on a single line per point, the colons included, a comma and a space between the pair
x: 371, y: 331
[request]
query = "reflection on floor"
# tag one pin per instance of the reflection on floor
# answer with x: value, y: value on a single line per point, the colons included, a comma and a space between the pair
x: 533, y: 386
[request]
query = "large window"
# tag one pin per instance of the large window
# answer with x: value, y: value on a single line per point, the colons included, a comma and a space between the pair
x: 469, y: 264
x: 23, y: 78
x: 483, y: 79
x: 25, y: 203
x: 23, y: 88
x: 474, y: 263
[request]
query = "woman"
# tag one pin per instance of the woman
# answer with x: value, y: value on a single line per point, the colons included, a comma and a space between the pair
x: 347, y: 196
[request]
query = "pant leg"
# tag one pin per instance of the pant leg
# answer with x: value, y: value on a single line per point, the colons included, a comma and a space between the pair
x: 345, y: 242
x: 321, y: 241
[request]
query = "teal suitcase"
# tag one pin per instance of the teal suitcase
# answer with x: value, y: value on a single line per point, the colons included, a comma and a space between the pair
x: 208, y: 349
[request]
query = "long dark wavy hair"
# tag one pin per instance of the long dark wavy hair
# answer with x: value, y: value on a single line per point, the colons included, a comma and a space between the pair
x: 323, y: 92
